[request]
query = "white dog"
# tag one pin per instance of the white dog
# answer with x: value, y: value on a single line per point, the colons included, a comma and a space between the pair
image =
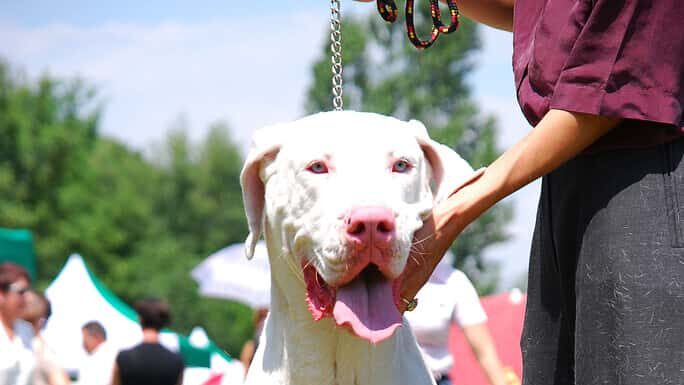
x: 338, y: 196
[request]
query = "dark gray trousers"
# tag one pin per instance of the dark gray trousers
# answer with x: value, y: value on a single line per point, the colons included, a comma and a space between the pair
x: 606, y: 280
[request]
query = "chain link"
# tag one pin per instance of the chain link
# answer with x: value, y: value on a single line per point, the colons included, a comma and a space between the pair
x: 336, y: 49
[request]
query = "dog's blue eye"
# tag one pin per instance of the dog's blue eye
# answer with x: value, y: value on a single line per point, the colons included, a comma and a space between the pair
x: 318, y: 168
x: 401, y: 166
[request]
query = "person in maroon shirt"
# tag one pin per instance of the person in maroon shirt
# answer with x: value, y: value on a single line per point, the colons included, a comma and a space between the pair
x: 602, y: 83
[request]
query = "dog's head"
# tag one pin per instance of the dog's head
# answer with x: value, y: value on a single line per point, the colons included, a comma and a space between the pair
x: 343, y: 193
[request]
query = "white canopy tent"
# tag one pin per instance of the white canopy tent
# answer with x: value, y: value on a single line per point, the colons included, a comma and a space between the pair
x: 77, y: 296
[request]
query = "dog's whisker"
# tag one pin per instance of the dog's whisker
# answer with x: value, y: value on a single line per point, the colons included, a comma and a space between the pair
x: 418, y: 254
x: 286, y: 253
x: 419, y: 250
x: 420, y: 241
x: 291, y: 265
x: 415, y: 259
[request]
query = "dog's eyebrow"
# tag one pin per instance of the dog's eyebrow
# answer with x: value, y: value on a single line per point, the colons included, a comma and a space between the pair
x: 394, y: 155
x: 314, y: 156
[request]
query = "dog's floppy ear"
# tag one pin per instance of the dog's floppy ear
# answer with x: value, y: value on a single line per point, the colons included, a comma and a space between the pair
x: 449, y: 170
x: 266, y: 143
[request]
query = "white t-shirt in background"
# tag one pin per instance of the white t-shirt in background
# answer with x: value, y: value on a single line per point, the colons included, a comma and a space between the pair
x: 17, y: 363
x: 448, y: 295
x: 98, y: 366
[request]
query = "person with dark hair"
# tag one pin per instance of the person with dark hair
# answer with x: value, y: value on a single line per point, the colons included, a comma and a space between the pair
x: 149, y: 363
x: 153, y: 313
x: 36, y: 312
x: 17, y: 363
x: 94, y: 334
x: 97, y: 368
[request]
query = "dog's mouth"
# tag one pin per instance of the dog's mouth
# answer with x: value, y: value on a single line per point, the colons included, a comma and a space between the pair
x: 366, y: 305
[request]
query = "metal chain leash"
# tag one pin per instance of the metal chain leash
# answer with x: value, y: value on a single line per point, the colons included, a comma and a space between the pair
x: 336, y: 49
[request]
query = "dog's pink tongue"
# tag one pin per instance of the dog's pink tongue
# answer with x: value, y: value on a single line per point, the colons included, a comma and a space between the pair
x: 368, y: 309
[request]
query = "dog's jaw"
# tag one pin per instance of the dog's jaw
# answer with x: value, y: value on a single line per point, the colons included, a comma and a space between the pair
x: 365, y: 306
x: 295, y: 349
x: 320, y: 297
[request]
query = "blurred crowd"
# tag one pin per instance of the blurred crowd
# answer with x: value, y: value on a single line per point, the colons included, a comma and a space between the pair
x: 26, y: 358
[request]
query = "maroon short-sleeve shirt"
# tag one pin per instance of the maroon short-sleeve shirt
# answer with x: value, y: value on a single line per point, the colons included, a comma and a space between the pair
x: 622, y: 58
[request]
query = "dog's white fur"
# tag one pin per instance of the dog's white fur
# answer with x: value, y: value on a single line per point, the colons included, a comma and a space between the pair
x: 301, y: 214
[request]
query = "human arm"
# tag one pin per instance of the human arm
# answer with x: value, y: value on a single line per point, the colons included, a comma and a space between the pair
x: 58, y: 377
x: 494, y: 13
x: 558, y: 137
x: 470, y: 316
x: 482, y: 345
x: 247, y: 353
x: 180, y: 378
x: 116, y: 378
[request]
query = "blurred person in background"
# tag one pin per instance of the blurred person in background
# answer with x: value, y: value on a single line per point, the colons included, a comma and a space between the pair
x: 149, y: 363
x: 17, y: 363
x: 448, y: 297
x: 250, y: 347
x: 97, y: 367
x: 36, y: 312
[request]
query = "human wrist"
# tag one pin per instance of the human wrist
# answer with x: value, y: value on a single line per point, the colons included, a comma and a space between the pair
x: 439, y: 230
x: 466, y: 203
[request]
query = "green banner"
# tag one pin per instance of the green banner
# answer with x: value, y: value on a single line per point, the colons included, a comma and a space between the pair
x: 16, y: 245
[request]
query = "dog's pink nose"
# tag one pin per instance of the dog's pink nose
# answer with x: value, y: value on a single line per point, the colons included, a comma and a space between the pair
x: 371, y: 226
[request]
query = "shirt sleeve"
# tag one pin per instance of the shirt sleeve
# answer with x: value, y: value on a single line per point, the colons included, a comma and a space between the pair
x: 49, y: 359
x: 24, y: 331
x: 467, y: 307
x: 626, y: 60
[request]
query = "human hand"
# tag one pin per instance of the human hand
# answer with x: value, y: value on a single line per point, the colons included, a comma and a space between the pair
x: 430, y: 242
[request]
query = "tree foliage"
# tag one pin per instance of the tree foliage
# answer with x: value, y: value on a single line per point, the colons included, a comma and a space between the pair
x: 141, y: 225
x: 384, y: 73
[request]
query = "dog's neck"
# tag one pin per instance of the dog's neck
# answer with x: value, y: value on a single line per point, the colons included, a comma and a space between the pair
x: 295, y: 349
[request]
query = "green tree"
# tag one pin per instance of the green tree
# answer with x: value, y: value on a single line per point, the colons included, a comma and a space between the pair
x: 199, y: 201
x: 47, y: 132
x: 141, y: 225
x: 200, y: 196
x: 384, y: 73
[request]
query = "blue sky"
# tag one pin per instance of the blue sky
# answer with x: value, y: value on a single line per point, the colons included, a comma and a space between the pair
x: 33, y: 13
x: 156, y: 63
